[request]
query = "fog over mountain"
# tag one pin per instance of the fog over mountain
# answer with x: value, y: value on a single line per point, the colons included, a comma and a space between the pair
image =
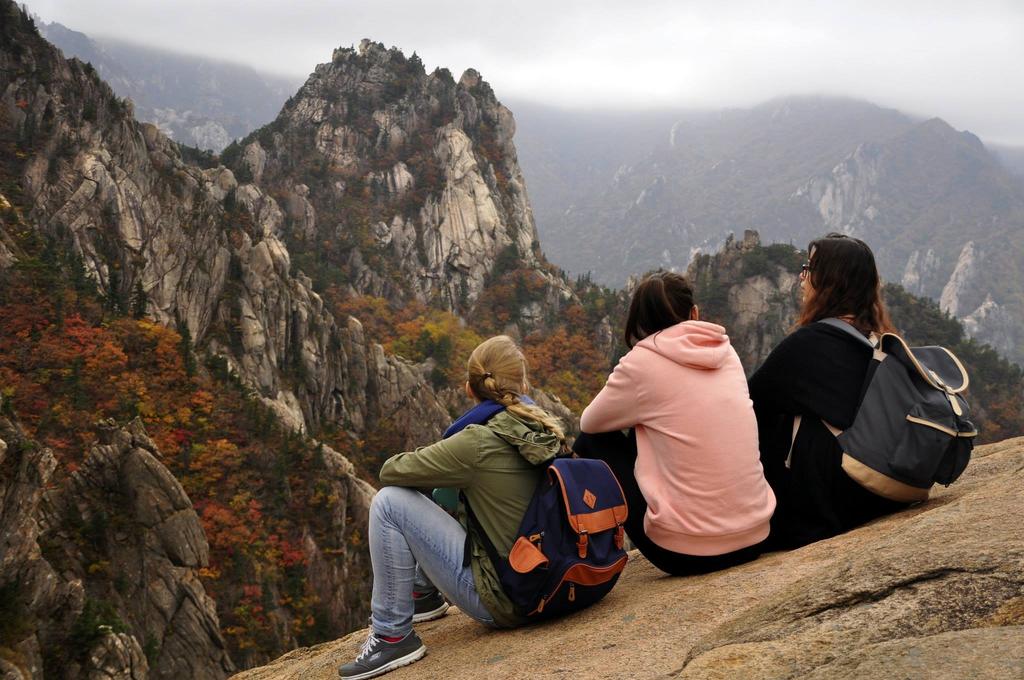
x: 617, y: 191
x: 1012, y: 157
x: 950, y: 59
x: 943, y: 212
x: 195, y: 100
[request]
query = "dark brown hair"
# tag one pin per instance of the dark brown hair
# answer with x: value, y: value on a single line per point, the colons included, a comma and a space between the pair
x: 661, y: 300
x: 845, y: 282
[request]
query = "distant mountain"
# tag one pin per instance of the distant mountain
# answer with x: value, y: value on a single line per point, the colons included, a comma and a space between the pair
x: 943, y: 213
x: 1012, y: 157
x: 567, y: 154
x: 197, y: 101
x: 694, y: 181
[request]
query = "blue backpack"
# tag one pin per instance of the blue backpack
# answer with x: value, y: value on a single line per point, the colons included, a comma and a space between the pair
x: 569, y: 552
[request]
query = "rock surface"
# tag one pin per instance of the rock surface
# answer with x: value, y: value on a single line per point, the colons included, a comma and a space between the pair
x: 936, y: 591
x: 757, y: 303
x: 117, y: 656
x: 117, y: 535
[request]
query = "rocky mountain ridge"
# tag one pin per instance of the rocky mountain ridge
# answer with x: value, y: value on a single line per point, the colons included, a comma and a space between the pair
x: 210, y: 252
x: 200, y: 102
x: 199, y: 250
x: 940, y: 209
x: 431, y: 163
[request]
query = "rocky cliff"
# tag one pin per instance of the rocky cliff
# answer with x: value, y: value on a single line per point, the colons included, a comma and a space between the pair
x: 95, y: 201
x: 388, y: 216
x: 155, y: 236
x: 406, y: 182
x: 936, y: 591
x: 99, y: 568
x: 753, y: 290
x: 147, y: 223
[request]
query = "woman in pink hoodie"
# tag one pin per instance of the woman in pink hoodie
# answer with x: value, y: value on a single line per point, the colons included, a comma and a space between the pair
x: 689, y: 463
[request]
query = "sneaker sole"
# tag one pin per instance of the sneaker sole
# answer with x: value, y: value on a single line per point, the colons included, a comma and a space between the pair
x: 431, y: 615
x: 409, y: 658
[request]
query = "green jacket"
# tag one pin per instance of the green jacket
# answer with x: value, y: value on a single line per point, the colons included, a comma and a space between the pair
x: 496, y: 466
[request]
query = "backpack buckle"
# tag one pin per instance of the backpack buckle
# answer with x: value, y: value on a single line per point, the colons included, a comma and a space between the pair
x: 619, y: 537
x: 581, y: 544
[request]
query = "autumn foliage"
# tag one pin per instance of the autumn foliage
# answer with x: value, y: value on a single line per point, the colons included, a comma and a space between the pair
x: 563, y: 356
x: 257, y: 489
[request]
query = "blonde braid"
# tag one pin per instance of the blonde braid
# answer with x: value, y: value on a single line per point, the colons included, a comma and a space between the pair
x: 497, y: 371
x: 538, y: 415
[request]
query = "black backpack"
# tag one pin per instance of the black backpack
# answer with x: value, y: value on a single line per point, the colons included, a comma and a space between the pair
x: 912, y: 428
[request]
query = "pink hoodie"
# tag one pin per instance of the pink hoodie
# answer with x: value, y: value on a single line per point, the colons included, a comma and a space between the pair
x: 697, y: 462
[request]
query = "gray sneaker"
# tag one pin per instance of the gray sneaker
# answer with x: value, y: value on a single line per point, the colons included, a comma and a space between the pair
x: 428, y: 605
x: 377, y: 657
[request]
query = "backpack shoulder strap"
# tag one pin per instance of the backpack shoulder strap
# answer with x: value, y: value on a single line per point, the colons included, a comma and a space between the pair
x: 472, y: 523
x: 847, y: 328
x: 797, y: 420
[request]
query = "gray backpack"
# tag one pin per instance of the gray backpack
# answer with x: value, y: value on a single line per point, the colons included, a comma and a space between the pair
x: 912, y: 428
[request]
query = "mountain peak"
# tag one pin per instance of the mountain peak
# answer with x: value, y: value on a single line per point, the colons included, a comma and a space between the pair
x: 429, y: 162
x: 365, y: 45
x: 937, y: 125
x: 940, y: 128
x: 470, y: 78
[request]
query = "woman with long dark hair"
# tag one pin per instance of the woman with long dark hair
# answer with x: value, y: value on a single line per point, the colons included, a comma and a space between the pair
x: 688, y: 464
x: 813, y: 377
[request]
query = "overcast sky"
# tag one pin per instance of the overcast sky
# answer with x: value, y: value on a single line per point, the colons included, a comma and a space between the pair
x: 963, y: 61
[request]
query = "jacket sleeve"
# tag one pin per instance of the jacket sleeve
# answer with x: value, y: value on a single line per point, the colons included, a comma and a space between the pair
x: 450, y: 462
x: 615, y: 406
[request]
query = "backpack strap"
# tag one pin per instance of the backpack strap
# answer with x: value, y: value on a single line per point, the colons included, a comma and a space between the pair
x: 796, y: 429
x: 848, y: 328
x: 473, y: 523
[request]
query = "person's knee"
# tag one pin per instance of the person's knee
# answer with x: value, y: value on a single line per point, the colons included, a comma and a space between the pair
x: 388, y: 500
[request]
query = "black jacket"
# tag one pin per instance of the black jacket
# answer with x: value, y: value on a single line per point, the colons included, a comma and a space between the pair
x: 817, y: 372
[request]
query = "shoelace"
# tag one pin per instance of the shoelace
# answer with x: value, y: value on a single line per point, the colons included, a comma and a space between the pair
x: 368, y: 646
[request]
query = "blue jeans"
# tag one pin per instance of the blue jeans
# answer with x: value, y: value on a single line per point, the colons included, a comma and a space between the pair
x: 408, y: 530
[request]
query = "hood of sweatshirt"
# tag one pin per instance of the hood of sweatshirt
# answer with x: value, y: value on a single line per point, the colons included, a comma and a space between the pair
x: 534, y: 442
x: 696, y: 344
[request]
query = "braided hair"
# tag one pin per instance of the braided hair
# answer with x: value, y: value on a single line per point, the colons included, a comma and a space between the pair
x: 497, y: 371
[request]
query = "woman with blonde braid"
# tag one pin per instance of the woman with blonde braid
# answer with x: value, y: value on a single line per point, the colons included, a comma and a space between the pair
x: 491, y: 454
